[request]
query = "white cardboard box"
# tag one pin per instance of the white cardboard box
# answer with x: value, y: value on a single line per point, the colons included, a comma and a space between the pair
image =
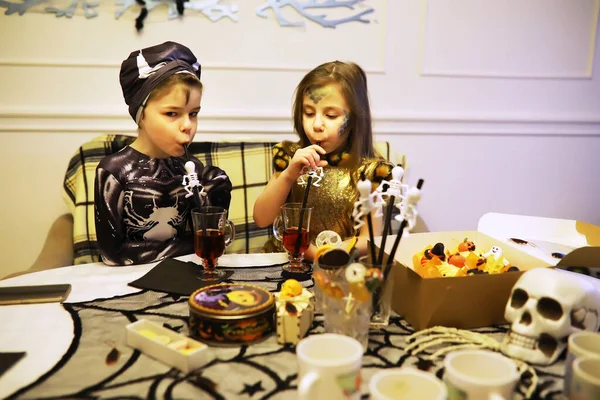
x: 477, y: 301
x: 160, y: 343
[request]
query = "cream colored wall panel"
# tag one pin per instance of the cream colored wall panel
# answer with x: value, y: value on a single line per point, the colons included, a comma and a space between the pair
x: 510, y: 38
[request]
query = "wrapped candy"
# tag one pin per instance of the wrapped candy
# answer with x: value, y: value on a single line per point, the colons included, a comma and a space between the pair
x: 328, y: 287
x: 355, y: 275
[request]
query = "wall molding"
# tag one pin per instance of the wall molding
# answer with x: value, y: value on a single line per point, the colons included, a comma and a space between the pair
x: 275, y: 124
x: 223, y: 66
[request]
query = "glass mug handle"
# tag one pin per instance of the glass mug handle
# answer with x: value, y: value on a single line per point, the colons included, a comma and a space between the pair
x: 277, y: 228
x: 231, y: 237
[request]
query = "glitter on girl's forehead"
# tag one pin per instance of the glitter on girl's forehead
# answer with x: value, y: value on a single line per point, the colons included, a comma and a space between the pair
x: 316, y: 94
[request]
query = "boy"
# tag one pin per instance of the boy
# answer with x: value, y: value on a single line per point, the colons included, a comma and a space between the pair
x: 141, y: 212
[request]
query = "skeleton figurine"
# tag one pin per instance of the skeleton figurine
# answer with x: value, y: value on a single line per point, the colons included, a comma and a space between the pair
x: 395, y: 187
x: 366, y: 203
x: 190, y: 181
x: 316, y: 175
x: 408, y: 208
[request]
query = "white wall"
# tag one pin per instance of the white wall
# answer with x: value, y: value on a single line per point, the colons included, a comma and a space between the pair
x: 516, y: 133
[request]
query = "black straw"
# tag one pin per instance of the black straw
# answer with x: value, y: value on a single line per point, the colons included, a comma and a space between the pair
x: 386, y: 227
x: 386, y: 270
x: 392, y: 255
x: 302, y: 208
x: 390, y: 259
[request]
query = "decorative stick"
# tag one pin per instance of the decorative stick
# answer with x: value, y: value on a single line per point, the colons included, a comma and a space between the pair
x: 190, y: 181
x: 302, y: 208
x: 366, y: 206
x: 403, y: 225
x: 386, y: 227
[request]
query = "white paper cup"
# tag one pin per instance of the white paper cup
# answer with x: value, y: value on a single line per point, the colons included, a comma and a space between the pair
x: 406, y: 384
x: 480, y: 374
x: 329, y: 367
x: 580, y: 344
x: 585, y: 383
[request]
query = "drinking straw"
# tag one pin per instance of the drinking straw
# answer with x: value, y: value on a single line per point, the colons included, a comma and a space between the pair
x: 387, y: 224
x: 302, y: 208
x: 386, y: 269
x: 370, y: 225
x: 390, y: 259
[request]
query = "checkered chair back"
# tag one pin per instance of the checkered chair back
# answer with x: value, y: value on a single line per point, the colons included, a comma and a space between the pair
x: 247, y: 164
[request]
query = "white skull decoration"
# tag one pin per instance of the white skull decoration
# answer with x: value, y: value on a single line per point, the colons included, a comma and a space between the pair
x: 328, y: 237
x: 546, y: 306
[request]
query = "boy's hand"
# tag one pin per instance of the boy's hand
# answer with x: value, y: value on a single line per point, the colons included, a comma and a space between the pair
x: 307, y: 157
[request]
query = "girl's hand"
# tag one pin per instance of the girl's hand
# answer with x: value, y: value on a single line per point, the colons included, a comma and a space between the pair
x: 307, y: 157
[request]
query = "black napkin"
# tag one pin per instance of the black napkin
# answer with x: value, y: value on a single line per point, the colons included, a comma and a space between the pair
x: 175, y: 277
x: 7, y: 360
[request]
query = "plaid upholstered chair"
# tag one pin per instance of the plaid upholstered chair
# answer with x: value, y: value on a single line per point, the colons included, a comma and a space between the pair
x: 72, y: 237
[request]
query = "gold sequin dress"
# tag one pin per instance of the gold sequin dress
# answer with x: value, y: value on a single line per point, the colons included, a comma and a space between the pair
x: 333, y: 200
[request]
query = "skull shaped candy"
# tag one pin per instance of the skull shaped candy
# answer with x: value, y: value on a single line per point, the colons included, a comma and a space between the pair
x: 546, y: 306
x: 328, y: 237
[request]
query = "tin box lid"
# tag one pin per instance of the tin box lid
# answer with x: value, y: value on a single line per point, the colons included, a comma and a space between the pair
x: 231, y: 299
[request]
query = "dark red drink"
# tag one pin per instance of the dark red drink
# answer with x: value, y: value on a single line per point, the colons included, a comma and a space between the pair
x: 209, y: 245
x: 290, y: 235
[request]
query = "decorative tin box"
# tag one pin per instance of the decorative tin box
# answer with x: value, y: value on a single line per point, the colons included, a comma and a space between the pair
x: 294, y: 316
x: 231, y: 313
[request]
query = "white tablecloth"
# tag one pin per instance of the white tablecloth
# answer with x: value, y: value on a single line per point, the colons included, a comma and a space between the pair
x: 45, y: 331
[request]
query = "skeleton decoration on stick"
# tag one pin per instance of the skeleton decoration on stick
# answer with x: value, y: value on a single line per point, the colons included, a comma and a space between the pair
x: 408, y: 207
x: 366, y: 203
x: 190, y: 182
x: 316, y: 175
x: 395, y: 187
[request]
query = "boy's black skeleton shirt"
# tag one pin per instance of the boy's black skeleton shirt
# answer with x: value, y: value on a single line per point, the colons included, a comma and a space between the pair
x: 141, y: 212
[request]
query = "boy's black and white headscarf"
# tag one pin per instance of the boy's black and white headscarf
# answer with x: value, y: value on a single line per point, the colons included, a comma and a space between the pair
x: 144, y: 69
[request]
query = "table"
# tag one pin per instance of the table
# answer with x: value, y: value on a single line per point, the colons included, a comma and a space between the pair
x: 68, y: 345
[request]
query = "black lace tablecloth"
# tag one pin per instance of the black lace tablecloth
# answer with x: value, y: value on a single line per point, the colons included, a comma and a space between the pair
x: 99, y: 364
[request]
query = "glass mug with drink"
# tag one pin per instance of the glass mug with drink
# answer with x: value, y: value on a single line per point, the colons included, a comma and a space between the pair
x: 212, y: 233
x: 292, y: 228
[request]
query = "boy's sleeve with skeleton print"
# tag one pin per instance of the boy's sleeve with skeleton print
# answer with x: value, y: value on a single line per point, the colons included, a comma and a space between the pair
x: 217, y: 185
x: 115, y: 249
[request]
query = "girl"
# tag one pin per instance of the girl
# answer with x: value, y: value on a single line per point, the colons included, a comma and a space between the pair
x: 142, y: 214
x: 332, y: 117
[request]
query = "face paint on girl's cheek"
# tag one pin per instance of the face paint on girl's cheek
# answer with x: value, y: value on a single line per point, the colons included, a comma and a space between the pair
x: 342, y: 129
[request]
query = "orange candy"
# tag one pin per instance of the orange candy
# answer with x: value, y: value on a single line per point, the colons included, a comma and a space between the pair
x: 329, y: 288
x: 360, y: 292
